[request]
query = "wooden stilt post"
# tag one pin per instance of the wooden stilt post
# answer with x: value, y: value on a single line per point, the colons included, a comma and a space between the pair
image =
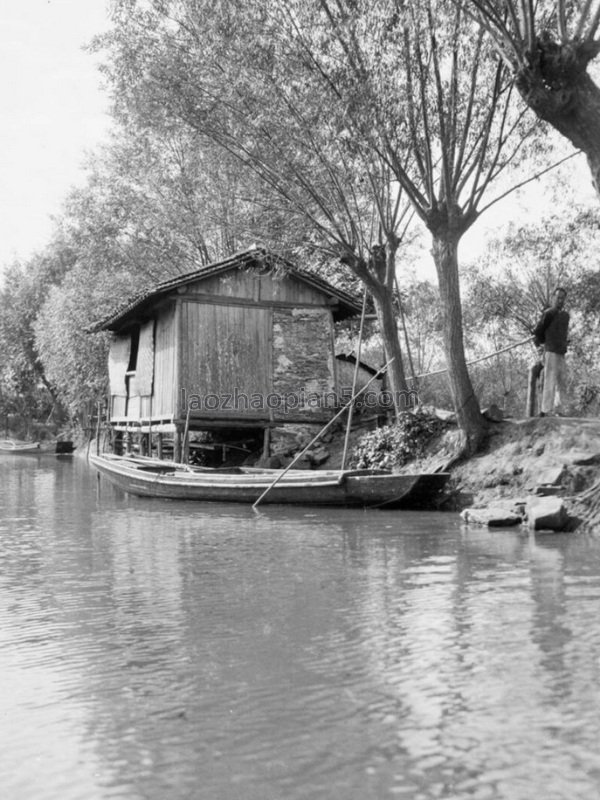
x: 159, y: 446
x: 98, y: 427
x: 150, y: 428
x: 266, y: 444
x: 533, y: 375
x: 185, y: 450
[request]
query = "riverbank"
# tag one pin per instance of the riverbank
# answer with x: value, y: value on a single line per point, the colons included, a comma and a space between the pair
x: 529, y: 457
x: 520, y: 458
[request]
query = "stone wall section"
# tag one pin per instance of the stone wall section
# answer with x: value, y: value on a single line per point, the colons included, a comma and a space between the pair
x: 303, y: 360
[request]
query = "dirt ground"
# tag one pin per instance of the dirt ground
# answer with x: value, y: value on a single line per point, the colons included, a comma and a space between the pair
x: 522, y: 454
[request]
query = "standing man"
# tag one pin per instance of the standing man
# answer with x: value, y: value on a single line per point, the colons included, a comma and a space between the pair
x: 551, y: 332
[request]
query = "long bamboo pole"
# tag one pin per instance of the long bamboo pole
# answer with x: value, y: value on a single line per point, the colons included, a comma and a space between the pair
x: 319, y: 434
x: 186, y: 433
x: 477, y: 360
x: 354, y: 378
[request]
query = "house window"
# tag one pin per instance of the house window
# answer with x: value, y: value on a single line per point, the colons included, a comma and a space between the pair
x: 133, y: 352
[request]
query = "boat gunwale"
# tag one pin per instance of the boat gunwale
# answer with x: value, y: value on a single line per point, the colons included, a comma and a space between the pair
x: 369, y: 489
x: 198, y: 479
x: 145, y: 465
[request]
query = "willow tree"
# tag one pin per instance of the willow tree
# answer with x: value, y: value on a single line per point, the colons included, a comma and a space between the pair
x: 344, y: 111
x: 548, y: 46
x: 443, y: 108
x: 266, y: 83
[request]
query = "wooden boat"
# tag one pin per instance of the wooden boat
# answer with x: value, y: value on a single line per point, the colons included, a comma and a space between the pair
x: 17, y: 447
x: 148, y: 477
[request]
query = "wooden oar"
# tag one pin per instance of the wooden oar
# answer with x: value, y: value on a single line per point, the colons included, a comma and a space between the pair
x: 320, y: 433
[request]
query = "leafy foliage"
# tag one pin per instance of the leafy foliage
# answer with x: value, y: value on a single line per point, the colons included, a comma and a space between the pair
x: 25, y: 392
x: 150, y: 209
x: 75, y: 361
x: 519, y: 273
x: 395, y: 445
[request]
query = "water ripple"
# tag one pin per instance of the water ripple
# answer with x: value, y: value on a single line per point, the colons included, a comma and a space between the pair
x: 153, y: 649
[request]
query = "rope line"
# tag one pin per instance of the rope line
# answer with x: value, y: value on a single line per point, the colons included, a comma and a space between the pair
x: 477, y: 360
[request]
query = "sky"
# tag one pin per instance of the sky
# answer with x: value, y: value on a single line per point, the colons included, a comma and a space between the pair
x: 52, y: 110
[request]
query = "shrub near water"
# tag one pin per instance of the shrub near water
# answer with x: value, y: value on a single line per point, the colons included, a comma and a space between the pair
x: 395, y: 445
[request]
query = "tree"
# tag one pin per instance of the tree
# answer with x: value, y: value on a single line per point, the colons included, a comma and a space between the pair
x: 75, y: 362
x: 548, y: 46
x: 421, y: 307
x: 153, y: 206
x: 255, y: 78
x: 24, y: 386
x: 157, y: 203
x: 517, y: 274
x: 436, y: 96
x: 414, y: 109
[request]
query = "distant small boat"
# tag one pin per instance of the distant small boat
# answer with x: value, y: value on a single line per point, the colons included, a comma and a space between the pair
x: 148, y: 477
x: 14, y: 446
x: 17, y: 447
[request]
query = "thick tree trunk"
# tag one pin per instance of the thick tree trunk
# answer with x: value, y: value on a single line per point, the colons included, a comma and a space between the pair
x: 559, y: 90
x: 466, y: 405
x: 378, y: 276
x: 386, y: 317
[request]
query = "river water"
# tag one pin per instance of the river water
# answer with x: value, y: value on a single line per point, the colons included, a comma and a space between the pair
x: 156, y: 650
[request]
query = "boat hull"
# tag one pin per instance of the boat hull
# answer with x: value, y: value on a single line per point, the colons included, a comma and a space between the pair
x: 16, y: 448
x: 362, y: 488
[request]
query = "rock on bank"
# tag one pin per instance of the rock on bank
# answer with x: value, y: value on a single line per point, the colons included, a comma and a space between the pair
x: 525, y: 459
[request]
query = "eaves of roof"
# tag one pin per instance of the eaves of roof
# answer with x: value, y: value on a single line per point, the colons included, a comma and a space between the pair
x: 348, y: 304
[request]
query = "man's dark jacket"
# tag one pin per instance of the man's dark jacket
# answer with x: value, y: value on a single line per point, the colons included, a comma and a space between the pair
x: 551, y: 330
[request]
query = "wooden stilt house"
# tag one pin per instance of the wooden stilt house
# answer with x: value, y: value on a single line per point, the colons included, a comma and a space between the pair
x: 238, y: 347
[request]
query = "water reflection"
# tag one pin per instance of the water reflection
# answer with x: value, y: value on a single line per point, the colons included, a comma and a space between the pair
x: 156, y: 649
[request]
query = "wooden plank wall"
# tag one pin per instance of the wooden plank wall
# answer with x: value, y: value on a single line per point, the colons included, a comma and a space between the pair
x: 165, y: 397
x: 289, y: 290
x: 258, y: 287
x: 242, y: 359
x: 119, y: 407
x: 134, y: 402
